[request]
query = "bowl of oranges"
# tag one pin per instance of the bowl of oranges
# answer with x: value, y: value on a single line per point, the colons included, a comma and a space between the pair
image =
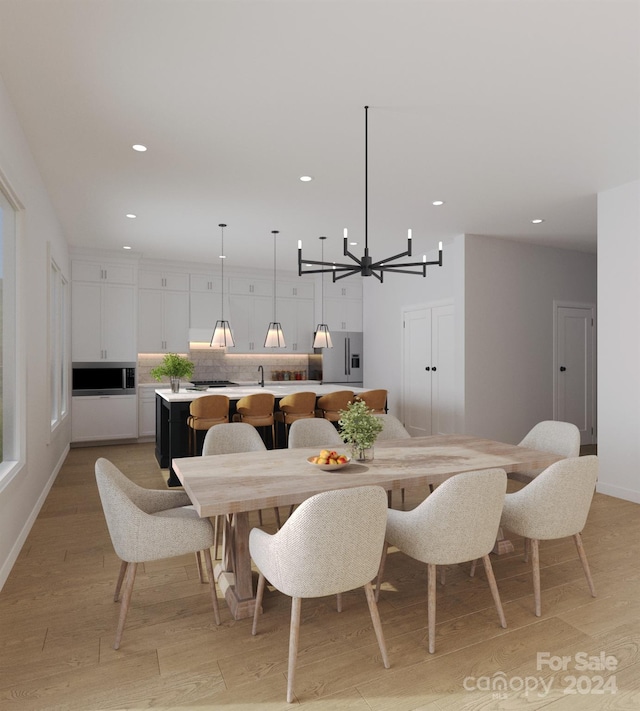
x: 329, y: 460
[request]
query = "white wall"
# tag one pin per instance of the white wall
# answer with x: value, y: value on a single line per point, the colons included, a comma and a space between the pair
x: 43, y: 453
x: 510, y: 288
x: 619, y: 341
x: 503, y: 291
x: 382, y: 310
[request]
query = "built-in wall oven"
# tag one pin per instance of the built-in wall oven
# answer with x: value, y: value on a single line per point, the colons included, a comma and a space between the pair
x: 103, y: 379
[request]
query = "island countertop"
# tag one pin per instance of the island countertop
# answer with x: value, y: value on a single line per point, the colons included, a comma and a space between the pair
x: 235, y: 392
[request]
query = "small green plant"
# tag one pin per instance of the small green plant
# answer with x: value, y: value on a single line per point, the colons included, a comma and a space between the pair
x: 359, y: 427
x: 173, y: 366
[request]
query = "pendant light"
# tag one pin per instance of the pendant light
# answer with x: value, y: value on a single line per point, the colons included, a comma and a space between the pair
x: 275, y: 337
x: 323, y: 336
x: 222, y: 335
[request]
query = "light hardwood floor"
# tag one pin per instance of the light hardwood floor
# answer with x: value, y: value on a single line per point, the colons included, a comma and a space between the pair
x: 58, y: 619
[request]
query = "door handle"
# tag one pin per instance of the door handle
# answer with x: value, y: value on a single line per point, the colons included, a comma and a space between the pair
x: 434, y: 369
x: 427, y: 368
x: 562, y: 368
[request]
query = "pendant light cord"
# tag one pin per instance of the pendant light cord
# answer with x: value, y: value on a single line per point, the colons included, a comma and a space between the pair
x: 274, y: 233
x: 222, y: 258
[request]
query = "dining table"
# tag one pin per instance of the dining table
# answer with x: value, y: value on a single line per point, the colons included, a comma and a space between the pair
x: 233, y: 485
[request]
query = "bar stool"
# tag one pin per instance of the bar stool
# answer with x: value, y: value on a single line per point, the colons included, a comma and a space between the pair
x: 298, y: 406
x: 257, y: 410
x: 329, y: 406
x: 375, y: 400
x: 205, y: 412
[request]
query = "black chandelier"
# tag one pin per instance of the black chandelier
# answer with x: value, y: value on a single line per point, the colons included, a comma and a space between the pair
x: 365, y: 266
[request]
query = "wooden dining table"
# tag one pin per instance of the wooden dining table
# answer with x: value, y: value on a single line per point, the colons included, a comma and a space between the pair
x: 240, y: 483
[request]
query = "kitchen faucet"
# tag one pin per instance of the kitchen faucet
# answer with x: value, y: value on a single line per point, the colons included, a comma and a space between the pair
x: 261, y: 371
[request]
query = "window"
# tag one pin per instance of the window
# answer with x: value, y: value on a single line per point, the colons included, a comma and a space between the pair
x: 58, y: 358
x: 8, y: 400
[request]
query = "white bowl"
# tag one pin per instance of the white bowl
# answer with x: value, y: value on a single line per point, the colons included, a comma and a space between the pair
x: 329, y: 467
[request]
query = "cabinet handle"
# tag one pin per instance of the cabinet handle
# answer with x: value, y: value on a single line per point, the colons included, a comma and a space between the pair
x: 434, y: 368
x: 427, y: 368
x: 562, y: 368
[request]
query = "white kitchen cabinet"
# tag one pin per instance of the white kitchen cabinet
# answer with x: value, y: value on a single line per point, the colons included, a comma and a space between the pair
x: 205, y: 283
x: 95, y: 418
x: 103, y: 322
x: 163, y: 321
x: 297, y: 319
x: 103, y: 272
x: 173, y: 281
x: 300, y: 289
x: 249, y: 286
x: 342, y: 304
x: 146, y: 412
x: 250, y: 317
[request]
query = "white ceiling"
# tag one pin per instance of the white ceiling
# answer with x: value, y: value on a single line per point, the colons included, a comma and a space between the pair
x: 508, y: 110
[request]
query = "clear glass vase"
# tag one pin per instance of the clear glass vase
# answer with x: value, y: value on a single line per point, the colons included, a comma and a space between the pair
x: 361, y: 454
x: 175, y: 384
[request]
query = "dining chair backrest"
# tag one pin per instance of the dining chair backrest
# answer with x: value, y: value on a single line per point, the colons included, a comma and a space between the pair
x: 299, y: 404
x: 458, y: 522
x: 231, y: 438
x: 313, y: 432
x: 330, y: 544
x: 139, y: 535
x: 556, y: 503
x: 329, y: 405
x: 256, y: 405
x: 375, y: 400
x: 561, y: 438
x: 392, y: 428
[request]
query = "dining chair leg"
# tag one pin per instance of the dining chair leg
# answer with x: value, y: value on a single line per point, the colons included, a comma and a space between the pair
x: 535, y: 565
x: 488, y: 569
x: 431, y: 606
x: 123, y: 570
x: 212, y: 584
x: 126, y: 600
x: 294, y: 635
x: 472, y: 572
x: 383, y: 560
x: 200, y: 569
x: 443, y: 575
x: 217, y: 525
x: 276, y: 511
x: 585, y: 565
x: 256, y: 611
x: 377, y: 625
x: 527, y: 547
x: 339, y: 602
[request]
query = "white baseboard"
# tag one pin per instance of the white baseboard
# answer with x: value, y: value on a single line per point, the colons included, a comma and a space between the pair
x: 619, y: 492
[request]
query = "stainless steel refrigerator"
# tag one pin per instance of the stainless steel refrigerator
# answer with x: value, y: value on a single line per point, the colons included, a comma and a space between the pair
x: 343, y: 362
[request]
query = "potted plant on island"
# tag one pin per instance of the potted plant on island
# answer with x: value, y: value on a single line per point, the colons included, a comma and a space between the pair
x: 175, y: 367
x: 359, y: 427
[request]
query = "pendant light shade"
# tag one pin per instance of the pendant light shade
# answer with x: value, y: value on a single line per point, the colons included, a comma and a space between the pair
x: 322, y: 338
x: 222, y: 335
x: 275, y: 336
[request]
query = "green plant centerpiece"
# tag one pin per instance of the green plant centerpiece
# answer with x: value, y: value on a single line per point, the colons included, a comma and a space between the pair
x: 175, y: 367
x: 359, y: 427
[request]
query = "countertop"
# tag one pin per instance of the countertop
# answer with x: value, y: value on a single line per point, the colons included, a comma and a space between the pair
x: 277, y: 388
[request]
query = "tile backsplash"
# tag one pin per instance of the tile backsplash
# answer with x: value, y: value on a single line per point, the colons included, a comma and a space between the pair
x: 213, y: 364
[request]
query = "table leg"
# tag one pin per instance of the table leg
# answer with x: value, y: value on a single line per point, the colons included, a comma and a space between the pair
x: 503, y: 545
x: 234, y: 573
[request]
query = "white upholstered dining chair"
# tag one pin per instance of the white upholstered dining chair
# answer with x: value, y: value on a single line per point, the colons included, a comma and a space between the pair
x: 148, y: 524
x: 554, y: 505
x: 332, y: 543
x: 234, y: 438
x: 562, y: 438
x: 313, y: 432
x: 458, y: 522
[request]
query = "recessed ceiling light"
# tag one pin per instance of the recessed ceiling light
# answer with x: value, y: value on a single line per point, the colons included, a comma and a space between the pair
x: 126, y: 247
x: 306, y: 178
x: 438, y: 202
x: 537, y: 221
x: 131, y: 216
x: 139, y: 147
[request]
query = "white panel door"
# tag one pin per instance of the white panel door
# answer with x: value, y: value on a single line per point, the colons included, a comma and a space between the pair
x: 442, y: 370
x: 575, y: 369
x: 416, y: 374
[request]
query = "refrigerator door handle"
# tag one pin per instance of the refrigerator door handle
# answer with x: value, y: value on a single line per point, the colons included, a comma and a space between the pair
x: 348, y: 345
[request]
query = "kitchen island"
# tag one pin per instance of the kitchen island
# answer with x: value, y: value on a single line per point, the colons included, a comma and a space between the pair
x: 172, y: 410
